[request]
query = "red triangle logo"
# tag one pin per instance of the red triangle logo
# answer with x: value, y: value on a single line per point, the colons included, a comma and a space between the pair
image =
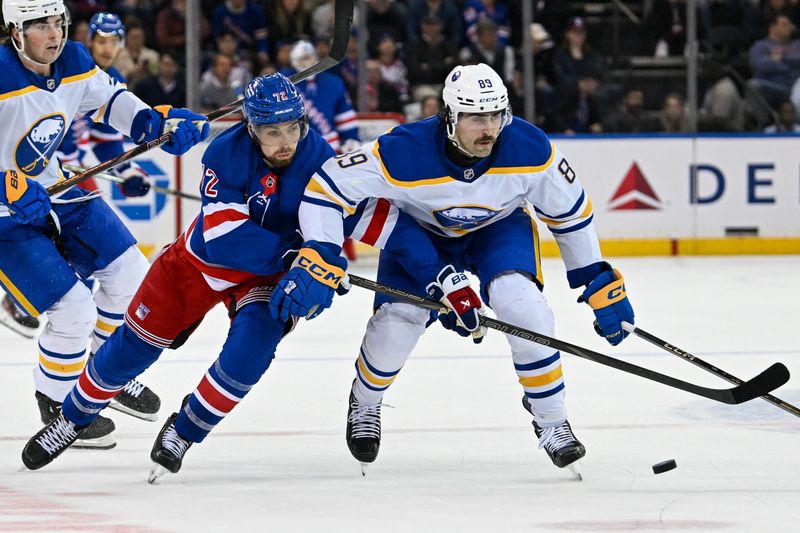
x: 634, y: 192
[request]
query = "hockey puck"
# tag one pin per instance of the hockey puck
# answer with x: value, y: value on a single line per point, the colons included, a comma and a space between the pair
x: 664, y: 466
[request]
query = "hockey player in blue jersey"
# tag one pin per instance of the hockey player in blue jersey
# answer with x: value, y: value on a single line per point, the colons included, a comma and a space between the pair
x: 253, y: 178
x: 48, y: 246
x: 473, y: 174
x: 106, y: 38
x: 330, y: 112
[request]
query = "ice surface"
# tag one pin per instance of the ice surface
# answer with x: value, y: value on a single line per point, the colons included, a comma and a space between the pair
x: 458, y: 451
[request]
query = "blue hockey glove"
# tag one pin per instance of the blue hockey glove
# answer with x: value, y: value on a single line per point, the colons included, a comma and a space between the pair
x: 307, y: 289
x: 135, y: 183
x: 607, y: 297
x: 187, y: 128
x: 26, y: 199
x: 464, y: 306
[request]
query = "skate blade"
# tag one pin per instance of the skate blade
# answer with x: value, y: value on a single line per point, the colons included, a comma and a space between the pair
x: 364, y: 467
x: 101, y: 443
x: 576, y: 470
x: 150, y: 417
x: 11, y: 324
x: 155, y: 473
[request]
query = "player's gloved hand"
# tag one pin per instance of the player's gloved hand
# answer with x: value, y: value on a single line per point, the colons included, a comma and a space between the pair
x: 307, y: 289
x: 453, y: 290
x: 135, y: 183
x: 26, y: 199
x: 187, y: 128
x: 606, y: 294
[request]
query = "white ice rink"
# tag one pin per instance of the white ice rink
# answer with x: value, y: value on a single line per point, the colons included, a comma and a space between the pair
x: 458, y: 451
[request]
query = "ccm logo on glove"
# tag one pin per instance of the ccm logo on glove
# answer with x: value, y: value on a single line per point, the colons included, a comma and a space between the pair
x: 310, y: 260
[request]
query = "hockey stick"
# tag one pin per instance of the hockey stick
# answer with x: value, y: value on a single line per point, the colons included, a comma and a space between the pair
x: 768, y: 380
x: 343, y: 19
x: 117, y: 179
x: 686, y: 356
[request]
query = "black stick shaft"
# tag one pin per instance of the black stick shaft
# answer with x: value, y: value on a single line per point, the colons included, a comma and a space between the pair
x: 686, y: 356
x: 768, y: 380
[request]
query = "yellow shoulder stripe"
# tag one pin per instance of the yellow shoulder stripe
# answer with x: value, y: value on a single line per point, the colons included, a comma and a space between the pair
x: 525, y: 170
x: 586, y: 212
x: 417, y: 183
x: 314, y: 186
x: 79, y: 77
x: 18, y: 92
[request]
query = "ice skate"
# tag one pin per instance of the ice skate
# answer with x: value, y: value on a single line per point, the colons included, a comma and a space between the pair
x: 137, y: 400
x: 16, y: 320
x: 168, y: 451
x: 561, y: 445
x: 96, y: 436
x: 363, y: 431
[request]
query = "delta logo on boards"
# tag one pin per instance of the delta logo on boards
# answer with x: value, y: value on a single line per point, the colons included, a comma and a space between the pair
x: 634, y: 193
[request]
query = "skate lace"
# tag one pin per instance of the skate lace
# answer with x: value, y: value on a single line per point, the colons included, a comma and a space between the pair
x: 555, y: 438
x: 134, y: 388
x: 61, y: 433
x: 174, y: 443
x: 366, y: 420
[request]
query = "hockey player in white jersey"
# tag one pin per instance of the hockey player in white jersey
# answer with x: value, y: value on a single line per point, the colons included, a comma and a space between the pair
x: 48, y: 246
x: 473, y: 174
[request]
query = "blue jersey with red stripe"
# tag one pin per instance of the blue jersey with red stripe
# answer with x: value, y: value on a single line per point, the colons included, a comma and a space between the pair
x: 248, y: 220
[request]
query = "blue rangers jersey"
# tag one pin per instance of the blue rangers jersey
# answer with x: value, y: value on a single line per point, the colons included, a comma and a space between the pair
x: 524, y: 169
x: 328, y: 107
x: 37, y: 110
x: 248, y: 220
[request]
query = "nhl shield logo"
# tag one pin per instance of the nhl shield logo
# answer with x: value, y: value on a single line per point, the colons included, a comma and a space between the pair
x: 51, y: 84
x: 469, y: 174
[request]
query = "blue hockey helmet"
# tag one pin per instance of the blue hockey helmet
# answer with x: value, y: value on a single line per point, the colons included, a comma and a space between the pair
x: 107, y: 25
x: 272, y: 99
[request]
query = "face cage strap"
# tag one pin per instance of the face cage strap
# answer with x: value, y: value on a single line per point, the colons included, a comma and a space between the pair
x: 451, y: 119
x: 21, y: 48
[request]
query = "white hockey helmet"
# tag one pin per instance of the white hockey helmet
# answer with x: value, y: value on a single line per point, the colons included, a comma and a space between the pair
x: 303, y: 55
x: 474, y: 89
x: 17, y: 12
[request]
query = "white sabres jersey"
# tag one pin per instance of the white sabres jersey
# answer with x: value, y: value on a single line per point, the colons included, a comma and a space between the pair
x: 37, y: 110
x: 408, y: 167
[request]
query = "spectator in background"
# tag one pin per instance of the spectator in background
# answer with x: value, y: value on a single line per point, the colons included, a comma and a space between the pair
x: 478, y: 10
x: 288, y: 21
x: 393, y: 70
x: 385, y: 16
x: 575, y: 60
x: 787, y: 120
x: 136, y: 62
x: 775, y: 61
x: 216, y: 88
x: 489, y: 49
x: 322, y: 17
x: 445, y: 11
x: 246, y: 22
x: 581, y: 112
x: 79, y: 32
x: 241, y: 73
x: 166, y: 88
x: 85, y: 9
x: 429, y: 58
x: 631, y: 116
x: 673, y: 117
x: 138, y: 13
x: 723, y: 107
x: 759, y: 13
x: 547, y: 101
x: 665, y: 27
x: 283, y: 55
x: 348, y: 68
x: 381, y: 95
x: 171, y: 28
x: 430, y: 105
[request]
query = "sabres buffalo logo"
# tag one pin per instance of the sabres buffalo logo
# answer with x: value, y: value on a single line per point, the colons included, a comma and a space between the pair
x: 464, y: 216
x: 37, y: 146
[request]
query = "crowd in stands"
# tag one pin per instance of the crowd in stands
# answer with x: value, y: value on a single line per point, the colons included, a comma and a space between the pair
x: 748, y: 78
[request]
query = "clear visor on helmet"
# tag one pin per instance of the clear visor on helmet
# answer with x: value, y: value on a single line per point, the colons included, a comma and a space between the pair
x: 281, y: 134
x: 44, y: 25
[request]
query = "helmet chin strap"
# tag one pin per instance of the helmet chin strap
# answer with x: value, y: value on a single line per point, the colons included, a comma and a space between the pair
x: 451, y: 134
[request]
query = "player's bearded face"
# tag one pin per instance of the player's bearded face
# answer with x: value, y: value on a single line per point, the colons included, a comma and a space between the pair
x: 105, y: 49
x: 43, y: 39
x: 279, y: 141
x: 477, y: 132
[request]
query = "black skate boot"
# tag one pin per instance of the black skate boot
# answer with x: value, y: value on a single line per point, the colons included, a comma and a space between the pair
x: 49, y: 442
x: 363, y: 431
x: 16, y: 320
x: 559, y: 442
x: 137, y: 400
x: 168, y: 450
x: 96, y: 436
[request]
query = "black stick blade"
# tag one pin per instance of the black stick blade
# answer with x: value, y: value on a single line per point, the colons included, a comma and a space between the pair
x: 766, y: 382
